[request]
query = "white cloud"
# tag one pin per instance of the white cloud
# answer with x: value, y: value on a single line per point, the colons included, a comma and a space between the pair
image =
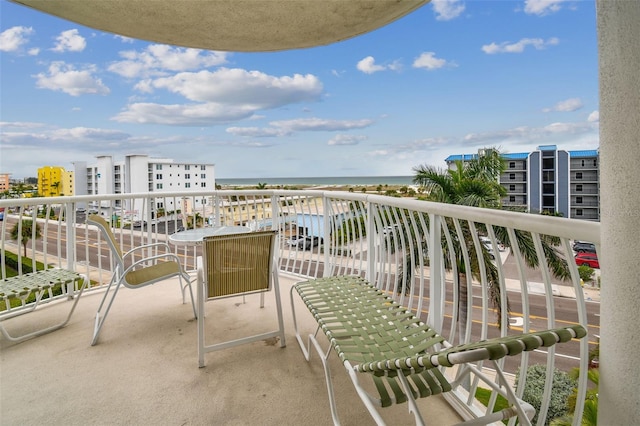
x: 69, y: 41
x: 519, y: 46
x: 66, y: 78
x: 428, y: 61
x: 124, y: 39
x: 550, y: 133
x: 542, y: 7
x: 346, y: 139
x: 287, y: 127
x: 594, y: 117
x: 20, y: 125
x: 319, y: 124
x: 207, y: 114
x: 157, y: 59
x: 88, y: 134
x: 240, y: 87
x: 446, y: 10
x: 12, y: 39
x: 567, y: 105
x: 368, y: 65
x: 258, y: 132
x: 222, y: 96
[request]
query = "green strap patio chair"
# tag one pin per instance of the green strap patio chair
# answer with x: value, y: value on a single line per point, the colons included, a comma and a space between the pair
x: 376, y: 337
x: 135, y: 272
x: 39, y: 284
x: 235, y: 265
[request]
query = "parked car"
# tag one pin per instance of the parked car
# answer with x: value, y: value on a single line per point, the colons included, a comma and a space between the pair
x: 584, y: 247
x: 307, y: 243
x: 588, y: 259
x: 390, y: 230
x: 487, y: 243
x: 294, y: 240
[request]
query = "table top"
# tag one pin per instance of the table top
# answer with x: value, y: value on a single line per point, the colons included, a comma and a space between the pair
x: 192, y: 237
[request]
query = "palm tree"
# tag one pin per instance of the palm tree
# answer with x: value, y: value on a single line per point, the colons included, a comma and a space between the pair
x: 476, y: 183
x: 24, y: 234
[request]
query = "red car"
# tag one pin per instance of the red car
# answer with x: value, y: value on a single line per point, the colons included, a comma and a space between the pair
x: 589, y: 259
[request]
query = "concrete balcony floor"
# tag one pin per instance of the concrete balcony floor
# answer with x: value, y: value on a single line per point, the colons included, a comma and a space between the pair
x: 144, y: 369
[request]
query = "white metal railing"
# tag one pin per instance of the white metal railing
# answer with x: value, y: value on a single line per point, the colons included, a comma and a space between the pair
x: 436, y: 259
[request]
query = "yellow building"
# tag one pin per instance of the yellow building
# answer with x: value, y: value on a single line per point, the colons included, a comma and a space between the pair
x: 55, y: 181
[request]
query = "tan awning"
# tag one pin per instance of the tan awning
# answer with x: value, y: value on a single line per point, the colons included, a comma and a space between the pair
x: 232, y: 25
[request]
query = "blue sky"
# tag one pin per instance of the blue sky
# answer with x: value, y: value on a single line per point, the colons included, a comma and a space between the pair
x: 450, y: 78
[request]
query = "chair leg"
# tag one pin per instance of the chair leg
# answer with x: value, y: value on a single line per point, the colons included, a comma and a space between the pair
x: 276, y: 288
x: 100, y: 319
x: 200, y: 317
x: 187, y: 278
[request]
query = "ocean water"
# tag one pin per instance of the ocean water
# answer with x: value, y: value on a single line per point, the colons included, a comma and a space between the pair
x: 318, y: 181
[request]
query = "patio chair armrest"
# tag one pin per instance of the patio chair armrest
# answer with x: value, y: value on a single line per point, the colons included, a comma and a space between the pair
x: 146, y: 246
x: 168, y: 256
x: 490, y: 349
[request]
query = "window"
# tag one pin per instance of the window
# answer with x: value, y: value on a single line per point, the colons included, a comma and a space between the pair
x: 578, y: 212
x: 159, y: 176
x: 512, y: 176
x: 582, y: 163
x: 203, y: 167
x: 158, y: 166
x: 578, y: 188
x: 160, y: 205
x: 578, y: 200
x: 187, y: 176
x: 579, y: 175
x: 187, y: 185
x: 187, y: 167
x: 203, y: 184
x: 548, y: 163
x: 203, y: 176
x: 512, y: 187
x: 595, y: 162
x: 158, y: 186
x: 512, y: 199
x: 512, y: 164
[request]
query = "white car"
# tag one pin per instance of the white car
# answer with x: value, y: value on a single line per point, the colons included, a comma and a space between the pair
x: 295, y: 240
x: 486, y: 241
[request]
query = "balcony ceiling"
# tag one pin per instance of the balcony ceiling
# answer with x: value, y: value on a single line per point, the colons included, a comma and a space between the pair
x: 232, y: 25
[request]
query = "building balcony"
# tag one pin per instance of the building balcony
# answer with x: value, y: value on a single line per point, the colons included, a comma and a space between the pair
x: 144, y: 369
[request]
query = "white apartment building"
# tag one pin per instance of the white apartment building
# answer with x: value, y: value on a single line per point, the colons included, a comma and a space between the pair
x: 139, y: 173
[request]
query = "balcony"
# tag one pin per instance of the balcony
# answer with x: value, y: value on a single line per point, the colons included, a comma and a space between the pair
x: 144, y: 368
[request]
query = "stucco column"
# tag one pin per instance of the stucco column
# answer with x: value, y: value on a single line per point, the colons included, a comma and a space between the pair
x: 618, y: 23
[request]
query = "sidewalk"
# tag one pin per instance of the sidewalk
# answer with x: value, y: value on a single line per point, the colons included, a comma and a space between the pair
x: 591, y: 293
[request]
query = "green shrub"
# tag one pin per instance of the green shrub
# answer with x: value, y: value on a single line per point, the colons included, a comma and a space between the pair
x: 563, y: 386
x: 586, y: 273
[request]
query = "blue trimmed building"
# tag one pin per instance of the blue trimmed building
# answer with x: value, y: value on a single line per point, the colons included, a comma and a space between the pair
x: 550, y: 180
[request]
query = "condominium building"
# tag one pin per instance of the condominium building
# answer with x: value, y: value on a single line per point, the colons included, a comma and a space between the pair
x: 143, y: 174
x: 550, y: 180
x: 55, y: 181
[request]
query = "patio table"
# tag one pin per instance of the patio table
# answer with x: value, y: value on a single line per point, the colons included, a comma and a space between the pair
x: 194, y: 237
